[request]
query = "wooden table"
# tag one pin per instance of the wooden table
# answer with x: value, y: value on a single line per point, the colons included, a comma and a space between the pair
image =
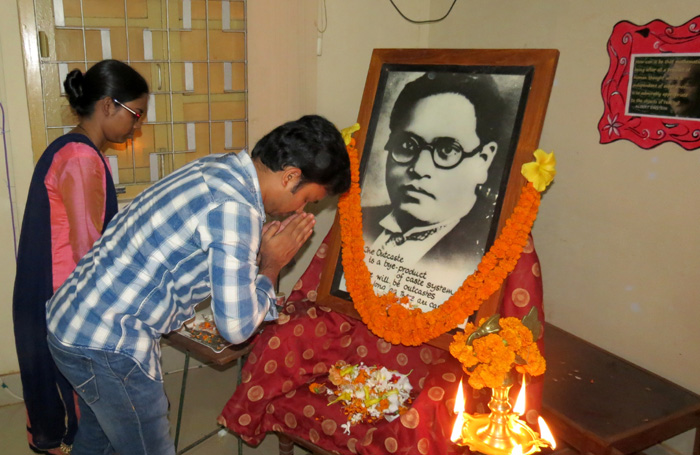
x: 599, y: 403
x: 206, y: 355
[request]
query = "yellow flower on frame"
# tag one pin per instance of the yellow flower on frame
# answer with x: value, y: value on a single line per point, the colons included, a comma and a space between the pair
x: 347, y: 132
x: 541, y: 172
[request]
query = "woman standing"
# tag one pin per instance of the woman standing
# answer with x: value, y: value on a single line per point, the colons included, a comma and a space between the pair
x: 71, y: 200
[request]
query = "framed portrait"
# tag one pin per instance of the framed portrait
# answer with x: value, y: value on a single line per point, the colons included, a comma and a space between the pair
x: 651, y: 93
x: 443, y: 134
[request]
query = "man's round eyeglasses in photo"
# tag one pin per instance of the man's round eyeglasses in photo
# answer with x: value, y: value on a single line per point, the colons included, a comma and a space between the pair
x: 404, y: 148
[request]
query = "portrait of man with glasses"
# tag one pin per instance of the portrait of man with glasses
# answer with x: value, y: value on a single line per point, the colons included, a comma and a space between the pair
x: 428, y: 208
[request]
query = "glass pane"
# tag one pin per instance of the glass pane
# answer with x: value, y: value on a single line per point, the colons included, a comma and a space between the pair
x: 234, y: 19
x: 190, y: 108
x: 94, y: 45
x: 229, y: 106
x: 143, y: 146
x: 156, y: 74
x: 191, y: 78
x: 54, y: 133
x: 181, y: 159
x: 69, y: 45
x: 162, y: 139
x: 188, y: 45
x: 56, y: 107
x: 162, y: 109
x: 229, y: 45
x: 148, y: 44
x: 218, y: 136
x: 118, y: 43
x: 124, y: 161
x: 227, y: 77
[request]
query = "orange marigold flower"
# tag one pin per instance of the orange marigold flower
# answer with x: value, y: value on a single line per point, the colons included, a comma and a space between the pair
x: 317, y: 388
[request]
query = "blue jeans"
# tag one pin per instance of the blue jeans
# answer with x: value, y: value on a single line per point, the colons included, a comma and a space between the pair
x: 121, y: 409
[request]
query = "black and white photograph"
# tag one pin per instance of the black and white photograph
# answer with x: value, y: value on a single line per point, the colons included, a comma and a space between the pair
x: 437, y: 157
x: 665, y: 85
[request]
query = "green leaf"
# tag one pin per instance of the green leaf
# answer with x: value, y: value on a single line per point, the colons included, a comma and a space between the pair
x: 489, y: 326
x: 532, y: 322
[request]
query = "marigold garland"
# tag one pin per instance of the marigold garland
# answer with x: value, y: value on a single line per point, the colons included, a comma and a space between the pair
x: 384, y: 315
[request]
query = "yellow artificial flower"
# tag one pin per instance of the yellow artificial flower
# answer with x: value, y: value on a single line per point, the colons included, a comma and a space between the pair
x: 541, y: 172
x: 348, y: 132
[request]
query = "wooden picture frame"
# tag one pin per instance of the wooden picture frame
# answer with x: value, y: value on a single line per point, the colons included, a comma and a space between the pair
x: 522, y: 80
x: 638, y: 93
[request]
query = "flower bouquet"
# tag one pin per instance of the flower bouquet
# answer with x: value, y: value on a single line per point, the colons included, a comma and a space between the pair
x: 489, y: 352
x: 367, y: 393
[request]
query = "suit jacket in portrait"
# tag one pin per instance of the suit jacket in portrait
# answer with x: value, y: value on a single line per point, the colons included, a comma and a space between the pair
x: 460, y: 248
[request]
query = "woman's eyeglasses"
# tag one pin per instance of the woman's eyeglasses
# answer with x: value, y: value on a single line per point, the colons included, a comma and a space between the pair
x: 136, y: 115
x: 446, y: 152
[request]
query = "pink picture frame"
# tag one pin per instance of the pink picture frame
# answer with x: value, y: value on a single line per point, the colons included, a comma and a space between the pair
x: 637, y: 91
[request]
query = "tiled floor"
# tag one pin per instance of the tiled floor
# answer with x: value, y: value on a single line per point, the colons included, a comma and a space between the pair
x: 207, y: 392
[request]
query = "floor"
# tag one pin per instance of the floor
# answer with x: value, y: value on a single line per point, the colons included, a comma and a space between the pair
x: 207, y: 392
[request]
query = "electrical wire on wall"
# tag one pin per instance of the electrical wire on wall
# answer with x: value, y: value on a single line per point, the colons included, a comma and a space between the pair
x: 325, y: 18
x: 428, y: 21
x: 7, y: 172
x: 319, y: 39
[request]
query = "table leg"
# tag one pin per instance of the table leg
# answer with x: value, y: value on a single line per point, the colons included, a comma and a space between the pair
x: 239, y: 363
x: 182, y: 399
x: 286, y: 445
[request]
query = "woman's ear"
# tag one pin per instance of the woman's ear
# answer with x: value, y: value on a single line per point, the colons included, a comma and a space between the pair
x: 105, y: 106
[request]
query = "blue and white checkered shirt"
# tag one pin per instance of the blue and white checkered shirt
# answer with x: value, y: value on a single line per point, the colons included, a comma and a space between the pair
x: 194, y: 233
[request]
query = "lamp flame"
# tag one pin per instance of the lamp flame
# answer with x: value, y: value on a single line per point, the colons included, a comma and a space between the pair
x: 546, y: 434
x: 459, y: 410
x: 520, y: 406
x: 457, y: 428
x: 459, y: 399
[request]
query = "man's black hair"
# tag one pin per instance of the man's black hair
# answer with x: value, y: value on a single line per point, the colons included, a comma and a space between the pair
x: 314, y: 145
x: 479, y: 89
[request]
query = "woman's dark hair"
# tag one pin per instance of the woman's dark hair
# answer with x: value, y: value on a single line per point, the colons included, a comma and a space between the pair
x: 108, y: 78
x: 313, y: 145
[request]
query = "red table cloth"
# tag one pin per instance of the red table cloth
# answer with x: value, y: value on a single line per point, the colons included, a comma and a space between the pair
x: 299, y: 348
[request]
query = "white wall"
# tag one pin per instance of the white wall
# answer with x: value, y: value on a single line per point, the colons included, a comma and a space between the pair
x: 281, y: 63
x: 19, y: 154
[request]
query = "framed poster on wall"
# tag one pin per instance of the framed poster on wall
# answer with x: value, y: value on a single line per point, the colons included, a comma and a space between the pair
x: 440, y: 132
x: 651, y: 93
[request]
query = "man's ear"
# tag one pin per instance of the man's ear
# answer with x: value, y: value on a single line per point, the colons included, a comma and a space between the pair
x: 290, y: 177
x: 488, y: 152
